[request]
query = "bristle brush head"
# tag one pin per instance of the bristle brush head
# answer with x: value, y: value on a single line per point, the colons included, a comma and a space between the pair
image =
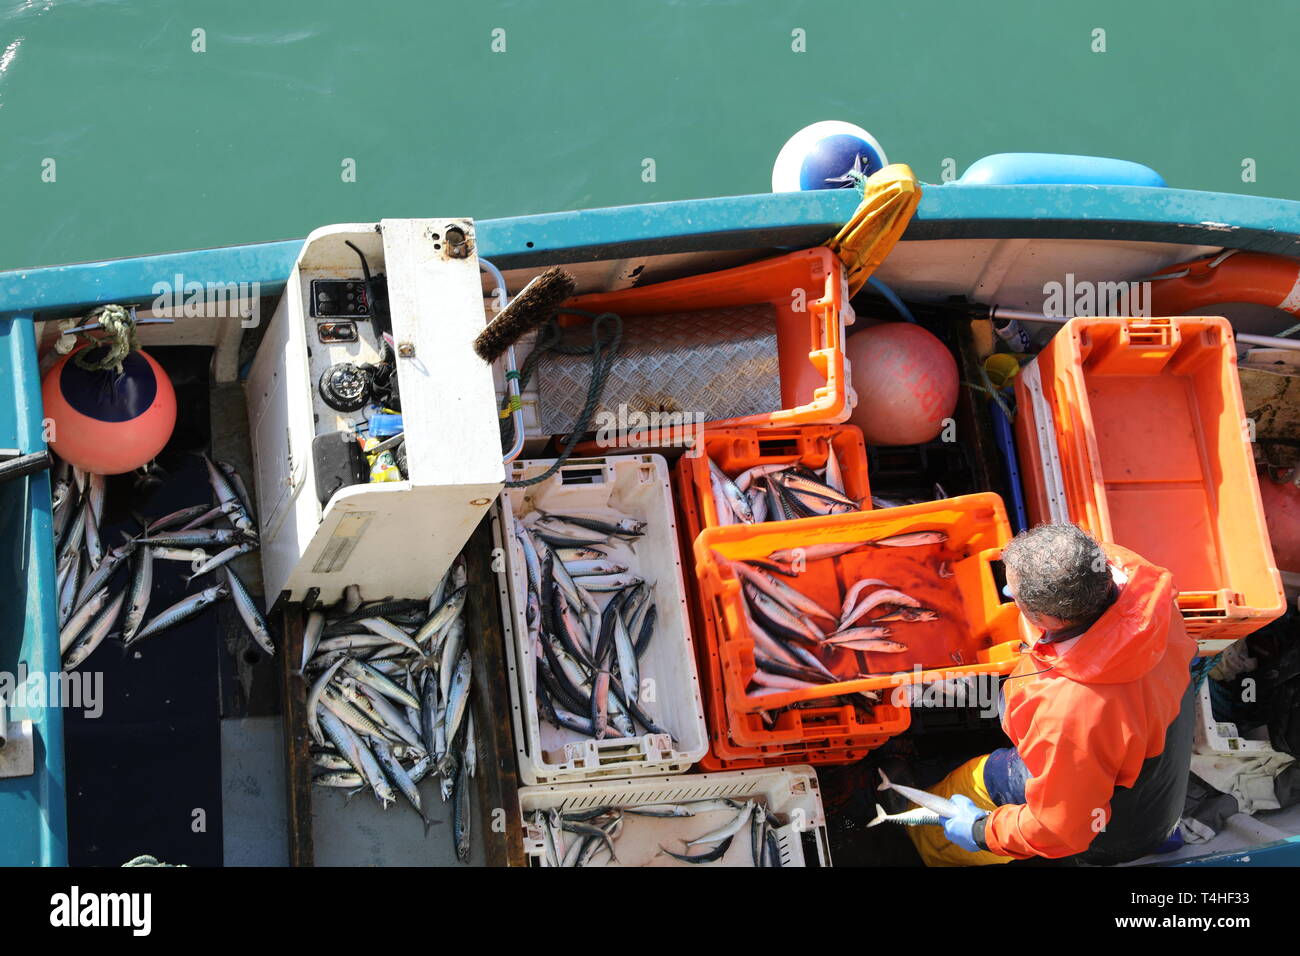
x: 535, y: 304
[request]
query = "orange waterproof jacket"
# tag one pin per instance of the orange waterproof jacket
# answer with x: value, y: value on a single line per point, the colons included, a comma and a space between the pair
x: 1085, y: 713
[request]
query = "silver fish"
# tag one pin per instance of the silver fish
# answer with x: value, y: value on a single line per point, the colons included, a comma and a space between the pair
x: 562, y: 534
x: 581, y: 569
x: 460, y: 818
x: 314, y: 696
x: 916, y: 817
x: 311, y: 637
x: 394, y: 634
x: 735, y: 497
x: 623, y: 526
x: 393, y: 718
x: 336, y: 702
x: 330, y: 761
x: 374, y: 775
x: 71, y: 586
x: 608, y: 582
x: 628, y: 669
x: 180, y: 611
x: 569, y: 555
x: 141, y: 587
x: 834, y: 476
x: 931, y: 801
x: 221, y: 558
x: 397, y: 774
x: 911, y: 539
x: 69, y: 633
x: 99, y: 577
x: 815, y: 552
x: 442, y: 616
x: 750, y: 475
x: 174, y: 519
x: 458, y: 696
x: 449, y: 654
x: 471, y: 744
x: 240, y: 488
x: 95, y: 634
x: 346, y: 779
x: 190, y: 556
x: 874, y: 600
x: 365, y: 674
x: 774, y: 587
x: 94, y: 549
x: 776, y: 613
x: 249, y: 613
x: 198, y: 538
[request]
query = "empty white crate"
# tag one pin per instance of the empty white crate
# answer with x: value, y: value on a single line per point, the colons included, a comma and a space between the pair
x: 791, y: 793
x: 635, y: 485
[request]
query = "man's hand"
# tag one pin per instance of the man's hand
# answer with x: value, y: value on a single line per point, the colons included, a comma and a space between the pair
x: 961, y: 828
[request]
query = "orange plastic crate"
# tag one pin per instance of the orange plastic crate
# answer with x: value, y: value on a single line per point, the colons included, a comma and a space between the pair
x: 725, y: 753
x: 808, y: 291
x: 977, y: 630
x: 736, y: 449
x: 1133, y: 429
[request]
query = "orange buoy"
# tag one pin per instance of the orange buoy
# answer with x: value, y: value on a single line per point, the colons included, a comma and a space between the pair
x: 906, y: 382
x: 1239, y: 277
x: 106, y: 422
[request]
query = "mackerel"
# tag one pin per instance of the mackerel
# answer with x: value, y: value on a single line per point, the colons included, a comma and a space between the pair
x: 94, y: 635
x: 219, y: 559
x: 313, y: 699
x: 70, y: 631
x: 365, y: 674
x: 180, y: 611
x: 931, y: 801
x: 141, y: 588
x: 311, y: 637
x: 249, y: 613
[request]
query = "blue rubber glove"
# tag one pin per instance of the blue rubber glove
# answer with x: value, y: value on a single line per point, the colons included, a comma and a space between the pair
x: 961, y: 828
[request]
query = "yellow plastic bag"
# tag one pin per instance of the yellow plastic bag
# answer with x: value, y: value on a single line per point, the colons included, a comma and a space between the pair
x: 889, y: 199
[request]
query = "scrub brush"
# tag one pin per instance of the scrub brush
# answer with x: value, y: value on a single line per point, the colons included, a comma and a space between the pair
x: 536, y: 303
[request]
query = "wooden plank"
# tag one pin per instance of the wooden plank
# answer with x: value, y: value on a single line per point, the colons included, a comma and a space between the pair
x: 297, y: 739
x: 496, y: 784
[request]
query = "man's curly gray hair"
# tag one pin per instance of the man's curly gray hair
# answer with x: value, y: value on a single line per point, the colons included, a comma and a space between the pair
x: 1060, y: 570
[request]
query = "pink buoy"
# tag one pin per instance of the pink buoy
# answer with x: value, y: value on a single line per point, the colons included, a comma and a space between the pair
x: 106, y: 422
x: 906, y: 383
x: 1282, y: 512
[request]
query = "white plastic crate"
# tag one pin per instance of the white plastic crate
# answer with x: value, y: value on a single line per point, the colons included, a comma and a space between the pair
x: 791, y: 793
x: 1220, y: 737
x: 635, y: 485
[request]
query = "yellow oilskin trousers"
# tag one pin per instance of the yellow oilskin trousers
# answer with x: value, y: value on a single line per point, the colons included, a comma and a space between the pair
x: 934, y: 847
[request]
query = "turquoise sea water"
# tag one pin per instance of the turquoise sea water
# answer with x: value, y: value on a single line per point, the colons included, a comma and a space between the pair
x: 153, y: 146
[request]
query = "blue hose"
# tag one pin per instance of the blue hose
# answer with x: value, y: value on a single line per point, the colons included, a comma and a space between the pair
x: 892, y: 297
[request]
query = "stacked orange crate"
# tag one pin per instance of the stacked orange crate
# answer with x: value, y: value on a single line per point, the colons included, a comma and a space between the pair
x: 830, y: 734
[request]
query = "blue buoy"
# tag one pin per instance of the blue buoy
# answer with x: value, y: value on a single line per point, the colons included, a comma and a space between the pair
x: 1024, y: 169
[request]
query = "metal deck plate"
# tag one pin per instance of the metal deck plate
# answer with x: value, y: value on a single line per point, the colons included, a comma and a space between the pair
x: 721, y: 363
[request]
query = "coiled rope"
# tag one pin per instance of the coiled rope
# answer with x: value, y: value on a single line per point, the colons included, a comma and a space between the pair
x: 606, y: 338
x: 122, y: 339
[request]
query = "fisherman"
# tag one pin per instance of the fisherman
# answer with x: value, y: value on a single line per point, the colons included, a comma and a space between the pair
x: 1100, y: 710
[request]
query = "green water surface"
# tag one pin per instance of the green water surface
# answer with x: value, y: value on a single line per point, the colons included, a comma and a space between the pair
x: 157, y: 147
